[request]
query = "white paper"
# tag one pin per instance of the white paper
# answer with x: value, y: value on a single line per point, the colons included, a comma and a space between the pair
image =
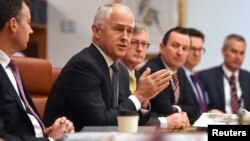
x: 216, y: 119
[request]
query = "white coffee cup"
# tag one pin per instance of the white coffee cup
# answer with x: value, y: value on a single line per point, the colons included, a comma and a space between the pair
x: 128, y: 121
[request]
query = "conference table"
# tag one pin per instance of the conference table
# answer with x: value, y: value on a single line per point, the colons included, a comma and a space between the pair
x: 144, y: 133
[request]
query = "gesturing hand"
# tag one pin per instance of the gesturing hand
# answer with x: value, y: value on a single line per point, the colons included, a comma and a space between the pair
x: 150, y: 85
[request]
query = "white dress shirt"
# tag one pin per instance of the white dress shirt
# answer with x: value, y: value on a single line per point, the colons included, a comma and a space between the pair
x: 227, y: 89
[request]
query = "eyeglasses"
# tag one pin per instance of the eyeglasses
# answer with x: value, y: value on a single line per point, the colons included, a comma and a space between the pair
x: 199, y: 50
x: 136, y: 44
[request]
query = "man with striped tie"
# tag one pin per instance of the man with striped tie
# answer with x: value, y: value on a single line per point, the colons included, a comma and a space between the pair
x: 19, y: 119
x: 177, y: 97
x: 227, y: 85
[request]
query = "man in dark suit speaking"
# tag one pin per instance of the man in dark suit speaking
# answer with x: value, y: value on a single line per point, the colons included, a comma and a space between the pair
x: 85, y: 91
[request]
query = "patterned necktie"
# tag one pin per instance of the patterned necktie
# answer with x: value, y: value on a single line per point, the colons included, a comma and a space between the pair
x: 115, y: 83
x: 234, y: 99
x: 29, y: 109
x: 199, y: 96
x: 132, y: 82
x: 176, y: 88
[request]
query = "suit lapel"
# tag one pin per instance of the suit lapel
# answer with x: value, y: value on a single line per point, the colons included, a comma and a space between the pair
x: 220, y: 84
x: 244, y: 87
x: 169, y: 89
x: 10, y: 89
x: 105, y: 70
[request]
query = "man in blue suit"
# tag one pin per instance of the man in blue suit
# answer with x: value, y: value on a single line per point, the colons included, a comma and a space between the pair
x: 226, y: 95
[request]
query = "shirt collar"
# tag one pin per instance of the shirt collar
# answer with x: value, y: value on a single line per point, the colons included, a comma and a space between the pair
x: 228, y: 73
x: 168, y: 68
x: 187, y: 71
x: 130, y: 72
x: 4, y: 59
x: 108, y: 60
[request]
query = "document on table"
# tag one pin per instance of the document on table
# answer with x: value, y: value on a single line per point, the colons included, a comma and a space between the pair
x: 216, y: 119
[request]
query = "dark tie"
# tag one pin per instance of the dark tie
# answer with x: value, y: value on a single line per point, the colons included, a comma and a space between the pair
x: 176, y: 87
x: 234, y: 99
x: 29, y: 109
x: 199, y: 96
x: 115, y: 83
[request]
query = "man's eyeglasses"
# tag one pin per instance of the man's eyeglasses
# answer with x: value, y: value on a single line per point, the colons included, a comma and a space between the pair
x: 136, y: 44
x: 199, y: 50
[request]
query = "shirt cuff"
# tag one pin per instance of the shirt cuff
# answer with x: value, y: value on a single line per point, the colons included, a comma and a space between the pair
x: 178, y: 108
x: 135, y: 101
x: 51, y: 139
x: 163, y: 122
x: 145, y: 111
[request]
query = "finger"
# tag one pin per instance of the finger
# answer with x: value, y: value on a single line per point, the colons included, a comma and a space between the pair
x: 163, y: 80
x: 146, y: 72
x: 47, y: 130
x: 70, y: 127
x: 157, y: 73
x: 163, y: 86
x: 63, y: 120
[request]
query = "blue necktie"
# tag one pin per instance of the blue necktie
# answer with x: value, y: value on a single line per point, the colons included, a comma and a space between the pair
x: 199, y: 96
x: 115, y: 83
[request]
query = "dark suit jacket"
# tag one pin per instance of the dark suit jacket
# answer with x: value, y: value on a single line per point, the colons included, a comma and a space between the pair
x: 212, y: 80
x: 83, y: 92
x: 14, y: 122
x: 162, y: 103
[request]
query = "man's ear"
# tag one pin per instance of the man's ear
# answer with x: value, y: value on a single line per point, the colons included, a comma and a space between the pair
x: 13, y: 24
x: 161, y: 47
x: 96, y: 30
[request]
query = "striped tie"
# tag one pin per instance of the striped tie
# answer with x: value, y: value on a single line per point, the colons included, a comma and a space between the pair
x: 234, y: 99
x: 29, y: 109
x: 176, y: 87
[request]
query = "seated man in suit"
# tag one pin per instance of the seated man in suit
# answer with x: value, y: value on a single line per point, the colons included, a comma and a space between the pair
x: 193, y: 59
x: 19, y: 119
x: 179, y: 96
x: 135, y: 55
x: 227, y: 85
x: 93, y: 86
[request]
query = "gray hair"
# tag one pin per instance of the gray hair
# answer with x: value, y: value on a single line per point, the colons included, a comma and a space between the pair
x: 236, y: 37
x: 104, y: 12
x: 139, y: 26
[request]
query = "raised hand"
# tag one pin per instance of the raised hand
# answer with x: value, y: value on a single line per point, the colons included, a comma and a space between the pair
x: 150, y: 85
